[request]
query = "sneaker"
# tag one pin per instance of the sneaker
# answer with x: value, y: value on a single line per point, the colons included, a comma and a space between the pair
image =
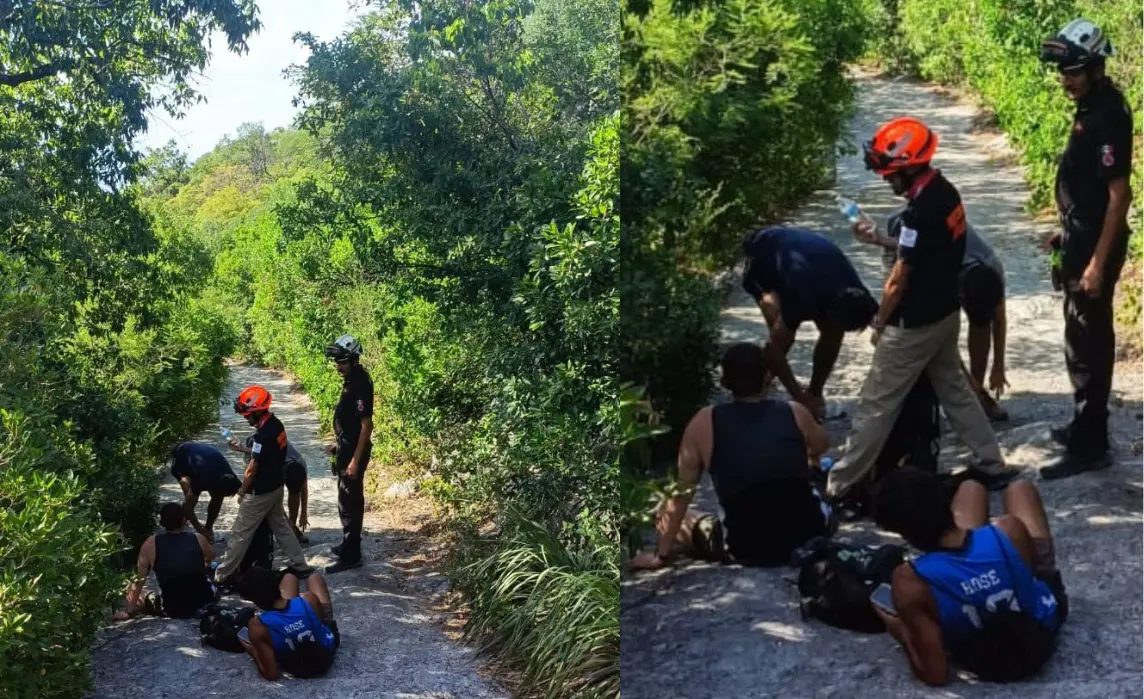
x: 301, y: 572
x: 341, y: 565
x: 1072, y: 464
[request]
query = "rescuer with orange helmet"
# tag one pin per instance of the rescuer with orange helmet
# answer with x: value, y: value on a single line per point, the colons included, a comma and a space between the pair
x: 918, y: 320
x: 260, y: 496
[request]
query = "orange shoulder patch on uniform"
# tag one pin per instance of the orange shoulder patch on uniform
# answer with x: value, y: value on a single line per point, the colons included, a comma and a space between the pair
x: 956, y: 221
x: 282, y: 439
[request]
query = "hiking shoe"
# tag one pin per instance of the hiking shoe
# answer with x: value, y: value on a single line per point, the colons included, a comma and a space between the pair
x: 301, y: 572
x: 1074, y: 464
x: 341, y: 565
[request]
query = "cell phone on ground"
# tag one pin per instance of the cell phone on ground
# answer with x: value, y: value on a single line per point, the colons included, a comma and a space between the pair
x: 244, y: 635
x: 883, y: 599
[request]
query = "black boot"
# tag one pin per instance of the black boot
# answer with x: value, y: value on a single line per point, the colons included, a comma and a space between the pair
x: 1072, y: 464
x: 343, y: 564
x: 1061, y: 434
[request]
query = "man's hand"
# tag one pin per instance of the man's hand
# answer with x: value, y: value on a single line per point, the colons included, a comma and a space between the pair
x: 997, y: 381
x: 241, y: 495
x: 120, y: 616
x: 352, y: 470
x: 863, y: 231
x: 1047, y: 241
x: 1091, y: 280
x: 894, y: 626
x: 208, y: 532
x: 647, y: 561
x: 303, y: 520
x: 816, y: 405
x: 875, y: 335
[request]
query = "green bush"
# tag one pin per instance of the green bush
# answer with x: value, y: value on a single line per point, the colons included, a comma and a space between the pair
x: 731, y: 113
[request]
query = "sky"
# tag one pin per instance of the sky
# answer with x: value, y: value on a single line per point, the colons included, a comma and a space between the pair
x: 251, y: 87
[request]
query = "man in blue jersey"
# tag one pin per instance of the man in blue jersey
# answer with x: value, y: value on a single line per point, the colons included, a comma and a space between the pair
x: 989, y: 594
x: 795, y: 276
x: 294, y: 631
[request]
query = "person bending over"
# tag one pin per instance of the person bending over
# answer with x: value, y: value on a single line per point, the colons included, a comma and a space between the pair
x: 982, y: 293
x: 295, y: 631
x: 798, y: 275
x: 198, y: 468
x: 180, y: 559
x: 987, y: 593
x: 759, y: 453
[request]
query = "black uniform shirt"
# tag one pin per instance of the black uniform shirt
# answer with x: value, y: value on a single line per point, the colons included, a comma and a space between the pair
x: 269, y: 453
x: 1099, y: 150
x: 932, y: 245
x: 355, y: 404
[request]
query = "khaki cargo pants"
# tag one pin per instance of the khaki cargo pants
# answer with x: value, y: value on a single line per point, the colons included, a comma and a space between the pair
x: 251, y: 512
x: 899, y: 359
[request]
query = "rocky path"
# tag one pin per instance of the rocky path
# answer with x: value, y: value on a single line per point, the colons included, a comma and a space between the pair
x: 391, y: 647
x: 701, y: 631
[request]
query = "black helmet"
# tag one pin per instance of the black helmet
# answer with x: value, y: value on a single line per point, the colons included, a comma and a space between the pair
x: 1079, y: 44
x: 345, y: 347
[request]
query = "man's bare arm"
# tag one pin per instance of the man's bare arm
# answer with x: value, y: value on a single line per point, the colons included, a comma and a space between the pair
x: 918, y: 630
x: 774, y: 351
x: 190, y: 500
x: 142, y: 569
x: 690, y: 467
x: 1000, y: 326
x: 817, y: 441
x: 261, y: 649
x: 892, y: 292
x: 248, y: 477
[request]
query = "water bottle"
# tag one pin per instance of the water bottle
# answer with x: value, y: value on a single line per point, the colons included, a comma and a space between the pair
x: 826, y: 463
x: 227, y: 434
x: 849, y: 209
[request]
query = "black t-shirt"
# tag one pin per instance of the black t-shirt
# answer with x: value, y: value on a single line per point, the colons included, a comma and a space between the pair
x: 932, y: 245
x: 806, y: 270
x: 269, y: 453
x: 202, y: 463
x: 1099, y: 150
x: 355, y: 404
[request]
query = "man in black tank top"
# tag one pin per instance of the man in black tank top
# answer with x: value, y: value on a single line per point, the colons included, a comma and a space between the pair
x: 761, y: 454
x: 180, y: 559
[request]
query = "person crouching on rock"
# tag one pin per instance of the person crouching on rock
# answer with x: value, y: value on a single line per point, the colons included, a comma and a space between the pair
x: 988, y: 593
x: 759, y: 453
x: 295, y: 631
x: 180, y: 559
x: 795, y: 276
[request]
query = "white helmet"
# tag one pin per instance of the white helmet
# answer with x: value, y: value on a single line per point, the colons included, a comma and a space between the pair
x: 344, y: 348
x: 1081, y: 42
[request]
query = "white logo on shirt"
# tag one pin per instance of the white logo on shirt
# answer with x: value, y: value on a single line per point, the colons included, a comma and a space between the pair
x: 908, y: 238
x: 256, y: 448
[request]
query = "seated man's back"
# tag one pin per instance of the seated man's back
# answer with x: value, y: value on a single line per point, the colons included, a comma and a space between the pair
x: 759, y: 465
x: 180, y: 569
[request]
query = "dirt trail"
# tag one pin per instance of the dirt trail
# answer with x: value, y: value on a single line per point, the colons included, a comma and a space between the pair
x: 702, y: 631
x: 390, y: 646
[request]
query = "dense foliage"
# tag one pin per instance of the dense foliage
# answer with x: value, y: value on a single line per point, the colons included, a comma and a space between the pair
x: 992, y: 46
x: 731, y: 113
x: 107, y: 358
x: 451, y: 199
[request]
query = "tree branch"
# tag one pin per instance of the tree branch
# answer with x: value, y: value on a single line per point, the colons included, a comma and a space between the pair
x: 38, y: 73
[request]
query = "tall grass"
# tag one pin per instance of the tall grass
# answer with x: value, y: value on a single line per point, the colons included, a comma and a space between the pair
x: 552, y: 609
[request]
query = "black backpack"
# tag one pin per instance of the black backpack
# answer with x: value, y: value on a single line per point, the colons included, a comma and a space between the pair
x: 835, y: 582
x: 219, y: 627
x: 915, y: 439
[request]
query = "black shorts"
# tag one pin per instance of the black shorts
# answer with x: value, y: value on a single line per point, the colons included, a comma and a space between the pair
x: 981, y: 291
x: 764, y: 525
x: 295, y: 477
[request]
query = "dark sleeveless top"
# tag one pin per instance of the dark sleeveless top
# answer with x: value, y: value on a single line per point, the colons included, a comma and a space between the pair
x: 763, y: 481
x: 182, y: 577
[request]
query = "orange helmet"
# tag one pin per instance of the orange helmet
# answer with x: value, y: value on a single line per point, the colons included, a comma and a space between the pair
x: 901, y: 143
x: 253, y: 399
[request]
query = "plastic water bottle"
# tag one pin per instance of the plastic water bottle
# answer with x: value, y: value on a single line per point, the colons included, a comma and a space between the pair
x: 851, y: 210
x: 227, y: 434
x: 826, y: 463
